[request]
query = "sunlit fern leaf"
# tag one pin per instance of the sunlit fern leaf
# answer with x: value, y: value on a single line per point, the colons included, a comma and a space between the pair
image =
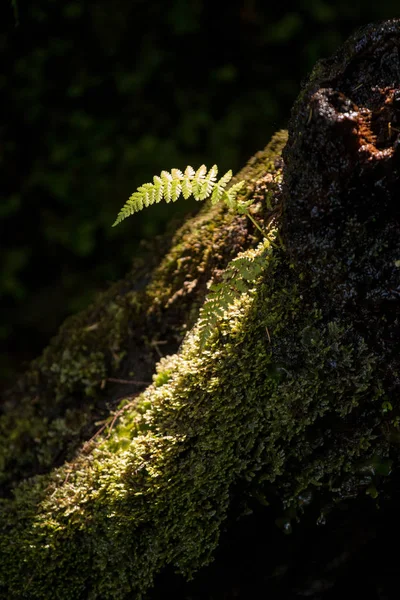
x: 244, y: 270
x: 176, y: 189
x: 219, y: 190
x: 169, y: 186
x: 225, y: 179
x: 145, y: 191
x: 208, y: 183
x: 158, y: 188
x: 186, y: 188
x: 232, y: 193
x: 200, y: 174
x: 196, y: 190
x: 189, y: 172
x: 176, y: 174
x: 217, y: 194
x: 137, y: 202
x: 166, y: 179
x: 198, y: 179
x: 239, y: 278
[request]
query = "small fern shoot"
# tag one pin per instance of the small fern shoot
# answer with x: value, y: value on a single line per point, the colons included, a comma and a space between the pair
x: 170, y: 186
x: 239, y: 278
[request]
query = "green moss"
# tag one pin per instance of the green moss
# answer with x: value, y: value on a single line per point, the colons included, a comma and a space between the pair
x: 267, y: 406
x: 268, y: 403
x: 55, y: 401
x: 66, y: 391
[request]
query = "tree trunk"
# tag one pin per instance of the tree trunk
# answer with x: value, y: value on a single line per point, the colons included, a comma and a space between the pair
x: 287, y: 413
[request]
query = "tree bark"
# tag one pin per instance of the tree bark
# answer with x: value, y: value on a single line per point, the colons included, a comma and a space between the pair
x: 288, y: 414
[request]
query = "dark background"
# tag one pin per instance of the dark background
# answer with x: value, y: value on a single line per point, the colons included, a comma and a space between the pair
x: 98, y: 97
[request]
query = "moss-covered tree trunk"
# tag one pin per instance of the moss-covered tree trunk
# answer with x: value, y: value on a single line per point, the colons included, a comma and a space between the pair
x: 119, y: 468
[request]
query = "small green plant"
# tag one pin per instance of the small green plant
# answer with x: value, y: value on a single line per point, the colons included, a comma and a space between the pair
x: 244, y: 270
x: 386, y: 406
x: 239, y: 277
x: 200, y: 184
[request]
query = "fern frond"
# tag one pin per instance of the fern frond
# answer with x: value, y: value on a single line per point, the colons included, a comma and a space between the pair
x: 197, y: 182
x: 239, y: 278
x: 233, y: 191
x: 146, y: 193
x: 169, y: 186
x: 158, y: 188
x: 166, y: 179
x: 176, y: 174
x: 217, y: 194
x: 244, y: 270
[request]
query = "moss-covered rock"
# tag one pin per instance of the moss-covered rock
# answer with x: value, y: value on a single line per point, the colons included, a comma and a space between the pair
x: 87, y: 367
x: 290, y: 402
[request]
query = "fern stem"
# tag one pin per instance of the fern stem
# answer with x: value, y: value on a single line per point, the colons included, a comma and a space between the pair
x: 247, y: 213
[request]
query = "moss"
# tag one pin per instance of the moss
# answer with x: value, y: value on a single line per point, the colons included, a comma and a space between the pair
x: 282, y: 404
x: 53, y: 409
x: 55, y: 401
x: 269, y: 403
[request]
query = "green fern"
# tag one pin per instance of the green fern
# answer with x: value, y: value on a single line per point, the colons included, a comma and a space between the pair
x: 169, y: 186
x: 239, y: 278
x: 244, y: 270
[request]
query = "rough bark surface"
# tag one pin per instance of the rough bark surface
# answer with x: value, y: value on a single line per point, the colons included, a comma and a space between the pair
x: 289, y: 412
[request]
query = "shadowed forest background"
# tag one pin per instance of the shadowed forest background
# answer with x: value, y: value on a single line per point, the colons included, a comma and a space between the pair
x: 98, y: 97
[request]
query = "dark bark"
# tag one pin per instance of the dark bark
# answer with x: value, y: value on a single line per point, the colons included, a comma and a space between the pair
x: 342, y: 206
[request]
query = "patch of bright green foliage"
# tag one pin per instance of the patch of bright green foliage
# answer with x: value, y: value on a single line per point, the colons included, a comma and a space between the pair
x: 240, y: 277
x: 202, y: 184
x: 169, y: 186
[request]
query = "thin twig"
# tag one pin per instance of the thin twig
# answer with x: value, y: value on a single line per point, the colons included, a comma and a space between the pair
x: 128, y: 381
